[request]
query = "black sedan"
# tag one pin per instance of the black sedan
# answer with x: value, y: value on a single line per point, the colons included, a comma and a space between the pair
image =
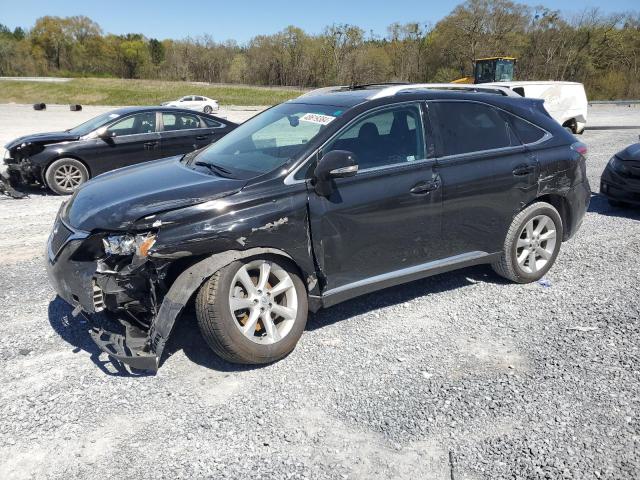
x: 620, y: 181
x: 64, y: 160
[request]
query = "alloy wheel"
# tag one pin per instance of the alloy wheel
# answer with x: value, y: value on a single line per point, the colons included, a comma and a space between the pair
x: 68, y: 177
x: 263, y: 301
x: 536, y: 244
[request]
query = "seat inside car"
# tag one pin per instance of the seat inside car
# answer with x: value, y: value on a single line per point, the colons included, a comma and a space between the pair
x: 367, y: 146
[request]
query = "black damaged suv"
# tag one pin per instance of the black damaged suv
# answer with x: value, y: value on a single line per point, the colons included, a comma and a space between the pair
x: 335, y: 194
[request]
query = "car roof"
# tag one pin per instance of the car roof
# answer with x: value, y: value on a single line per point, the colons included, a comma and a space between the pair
x: 160, y: 108
x: 151, y: 108
x: 517, y: 83
x: 345, y: 96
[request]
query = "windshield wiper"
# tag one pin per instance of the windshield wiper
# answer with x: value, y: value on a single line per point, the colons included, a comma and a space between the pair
x: 215, y: 168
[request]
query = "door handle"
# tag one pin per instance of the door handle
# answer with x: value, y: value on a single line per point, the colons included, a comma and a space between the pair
x: 202, y: 137
x: 424, y: 188
x: 522, y: 170
x: 150, y: 144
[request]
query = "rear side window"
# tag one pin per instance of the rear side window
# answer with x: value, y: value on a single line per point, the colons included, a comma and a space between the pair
x: 467, y: 127
x: 180, y: 121
x: 212, y: 123
x: 527, y: 132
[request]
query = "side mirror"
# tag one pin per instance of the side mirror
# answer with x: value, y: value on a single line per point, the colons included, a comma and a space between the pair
x: 105, y: 133
x: 334, y: 164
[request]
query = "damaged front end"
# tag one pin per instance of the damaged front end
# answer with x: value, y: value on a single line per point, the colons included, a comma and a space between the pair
x: 111, y: 274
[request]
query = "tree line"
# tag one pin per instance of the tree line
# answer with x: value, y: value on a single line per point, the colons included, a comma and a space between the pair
x: 601, y: 51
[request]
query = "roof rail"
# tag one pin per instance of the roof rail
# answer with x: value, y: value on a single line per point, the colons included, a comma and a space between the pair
x: 320, y: 91
x: 494, y: 89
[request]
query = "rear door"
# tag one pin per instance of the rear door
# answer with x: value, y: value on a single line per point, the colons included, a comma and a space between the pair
x: 387, y: 218
x: 182, y: 132
x: 487, y: 174
x: 198, y: 103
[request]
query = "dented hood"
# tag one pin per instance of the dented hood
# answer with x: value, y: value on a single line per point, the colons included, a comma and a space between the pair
x: 42, y: 139
x: 115, y: 200
x: 632, y: 152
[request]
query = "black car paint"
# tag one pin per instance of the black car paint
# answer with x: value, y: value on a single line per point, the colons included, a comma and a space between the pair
x: 623, y: 186
x: 371, y: 232
x: 30, y: 155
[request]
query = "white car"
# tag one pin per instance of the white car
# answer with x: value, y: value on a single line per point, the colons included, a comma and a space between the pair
x: 195, y: 102
x: 566, y: 102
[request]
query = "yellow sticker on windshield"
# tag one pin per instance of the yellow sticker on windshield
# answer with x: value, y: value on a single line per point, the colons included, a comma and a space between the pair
x: 317, y: 118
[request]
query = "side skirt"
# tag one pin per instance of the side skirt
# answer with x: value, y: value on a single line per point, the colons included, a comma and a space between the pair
x: 398, y: 277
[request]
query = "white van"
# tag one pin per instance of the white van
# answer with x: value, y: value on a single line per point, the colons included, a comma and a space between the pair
x: 566, y: 102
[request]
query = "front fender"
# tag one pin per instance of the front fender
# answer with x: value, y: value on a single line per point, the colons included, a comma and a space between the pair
x: 186, y: 285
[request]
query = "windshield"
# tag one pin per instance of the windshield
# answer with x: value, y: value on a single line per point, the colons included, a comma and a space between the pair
x: 90, y: 125
x: 268, y: 140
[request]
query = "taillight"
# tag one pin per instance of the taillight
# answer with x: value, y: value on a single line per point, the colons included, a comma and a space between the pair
x: 581, y: 148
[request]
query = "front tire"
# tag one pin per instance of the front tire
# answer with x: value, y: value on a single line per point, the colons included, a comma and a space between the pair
x: 253, y: 311
x: 65, y: 175
x: 531, y: 245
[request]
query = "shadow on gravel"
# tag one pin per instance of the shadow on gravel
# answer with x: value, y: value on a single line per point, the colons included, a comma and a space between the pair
x: 186, y: 334
x: 75, y: 331
x: 404, y: 293
x: 599, y: 204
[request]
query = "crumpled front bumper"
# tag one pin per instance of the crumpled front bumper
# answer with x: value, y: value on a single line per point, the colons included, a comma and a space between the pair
x: 73, y: 281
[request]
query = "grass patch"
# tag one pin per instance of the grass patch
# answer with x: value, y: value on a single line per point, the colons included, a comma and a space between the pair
x: 103, y: 91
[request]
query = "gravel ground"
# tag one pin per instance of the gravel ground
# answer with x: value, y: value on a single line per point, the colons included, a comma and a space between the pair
x: 501, y: 380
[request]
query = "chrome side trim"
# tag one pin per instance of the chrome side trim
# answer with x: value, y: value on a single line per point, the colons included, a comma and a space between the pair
x: 343, y: 170
x: 444, y: 262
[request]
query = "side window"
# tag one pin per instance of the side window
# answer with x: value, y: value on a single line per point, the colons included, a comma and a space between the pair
x: 186, y: 99
x: 387, y: 137
x: 467, y: 127
x: 180, y: 121
x: 212, y: 123
x: 526, y: 132
x: 135, y: 124
x: 198, y: 99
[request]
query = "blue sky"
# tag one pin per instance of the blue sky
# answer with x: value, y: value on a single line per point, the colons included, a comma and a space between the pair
x: 241, y: 20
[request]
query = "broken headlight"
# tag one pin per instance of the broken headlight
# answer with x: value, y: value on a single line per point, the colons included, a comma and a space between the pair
x: 129, y: 244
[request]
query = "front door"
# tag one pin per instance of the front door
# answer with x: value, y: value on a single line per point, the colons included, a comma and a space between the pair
x: 487, y: 174
x: 387, y: 218
x: 134, y: 140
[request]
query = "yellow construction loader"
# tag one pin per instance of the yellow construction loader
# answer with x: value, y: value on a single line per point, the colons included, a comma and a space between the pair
x: 491, y: 69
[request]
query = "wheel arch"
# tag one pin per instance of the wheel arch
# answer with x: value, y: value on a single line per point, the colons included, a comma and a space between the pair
x: 43, y: 170
x: 572, y: 124
x: 561, y: 204
x: 191, y: 278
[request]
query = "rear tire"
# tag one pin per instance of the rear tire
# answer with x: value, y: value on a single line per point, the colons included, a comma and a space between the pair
x: 208, y: 109
x: 531, y: 245
x: 264, y: 326
x: 65, y: 175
